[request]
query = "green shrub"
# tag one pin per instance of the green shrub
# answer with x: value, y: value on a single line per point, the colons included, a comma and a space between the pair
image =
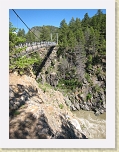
x: 61, y: 106
x: 88, y: 97
x: 101, y: 101
x: 98, y: 71
x: 80, y: 84
x: 44, y: 90
x: 87, y: 76
x: 16, y: 112
x: 96, y: 88
x: 89, y: 67
x: 89, y: 60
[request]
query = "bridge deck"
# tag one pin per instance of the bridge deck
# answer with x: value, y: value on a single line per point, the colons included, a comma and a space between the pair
x: 32, y: 48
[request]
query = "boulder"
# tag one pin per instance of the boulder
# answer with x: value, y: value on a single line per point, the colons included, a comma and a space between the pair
x: 15, y: 107
x: 89, y: 103
x: 81, y: 106
x: 53, y: 79
x: 85, y: 81
x: 104, y: 105
x: 72, y: 98
x: 11, y: 93
x: 76, y: 105
x: 67, y: 101
x: 17, y: 103
x: 75, y: 123
x: 86, y: 107
x: 82, y: 96
x: 101, y: 111
x: 21, y: 102
x: 72, y: 108
x: 97, y: 113
x: 11, y: 102
x: 24, y: 98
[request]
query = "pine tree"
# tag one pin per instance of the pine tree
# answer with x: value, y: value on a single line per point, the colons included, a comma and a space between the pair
x: 71, y: 40
x: 72, y: 25
x: 85, y: 21
x: 30, y: 37
x: 63, y: 34
x: 45, y: 34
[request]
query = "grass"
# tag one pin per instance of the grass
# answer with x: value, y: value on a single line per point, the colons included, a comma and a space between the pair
x: 45, y: 87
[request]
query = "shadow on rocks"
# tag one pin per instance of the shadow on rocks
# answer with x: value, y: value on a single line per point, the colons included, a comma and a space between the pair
x: 69, y: 131
x: 18, y: 95
x: 31, y: 128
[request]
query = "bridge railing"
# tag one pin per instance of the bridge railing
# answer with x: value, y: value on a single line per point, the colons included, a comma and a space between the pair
x: 33, y: 47
x: 36, y: 44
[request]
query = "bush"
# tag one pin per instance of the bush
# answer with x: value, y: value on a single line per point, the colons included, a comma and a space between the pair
x: 96, y: 88
x: 16, y: 112
x: 61, y: 106
x: 88, y: 97
x: 89, y: 67
x: 98, y: 71
x: 87, y: 76
x: 89, y: 60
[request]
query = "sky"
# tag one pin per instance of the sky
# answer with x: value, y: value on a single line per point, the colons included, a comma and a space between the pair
x: 40, y: 17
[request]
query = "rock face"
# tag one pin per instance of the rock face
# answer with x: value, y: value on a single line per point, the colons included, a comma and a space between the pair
x: 92, y: 94
x: 18, y: 95
x: 35, y: 114
x: 88, y: 98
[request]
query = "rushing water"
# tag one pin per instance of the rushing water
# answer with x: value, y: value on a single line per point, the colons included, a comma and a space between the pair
x: 92, y: 126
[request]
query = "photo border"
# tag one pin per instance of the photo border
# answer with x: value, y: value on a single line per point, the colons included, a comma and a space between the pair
x: 5, y: 69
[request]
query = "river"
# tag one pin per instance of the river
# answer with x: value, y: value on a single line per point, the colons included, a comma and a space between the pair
x: 94, y: 127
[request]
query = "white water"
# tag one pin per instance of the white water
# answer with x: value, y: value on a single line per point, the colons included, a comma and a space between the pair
x: 94, y: 127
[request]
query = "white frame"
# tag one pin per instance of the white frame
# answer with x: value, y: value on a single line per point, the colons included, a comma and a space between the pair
x: 109, y: 142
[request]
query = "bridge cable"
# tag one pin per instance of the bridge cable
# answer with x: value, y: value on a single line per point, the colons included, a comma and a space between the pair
x: 24, y: 23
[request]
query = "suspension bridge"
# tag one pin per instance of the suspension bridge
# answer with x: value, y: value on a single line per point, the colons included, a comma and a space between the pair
x: 29, y: 48
x: 32, y: 47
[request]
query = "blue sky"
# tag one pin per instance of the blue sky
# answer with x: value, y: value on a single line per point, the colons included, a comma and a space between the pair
x: 40, y: 17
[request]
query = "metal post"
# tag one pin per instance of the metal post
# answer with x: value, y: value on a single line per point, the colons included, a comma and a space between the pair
x: 51, y: 37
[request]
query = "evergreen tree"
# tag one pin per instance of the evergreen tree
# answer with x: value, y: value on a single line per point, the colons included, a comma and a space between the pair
x: 72, y: 25
x: 77, y: 23
x: 63, y: 34
x: 45, y: 34
x: 30, y: 37
x: 71, y: 39
x: 86, y: 21
x: 87, y: 38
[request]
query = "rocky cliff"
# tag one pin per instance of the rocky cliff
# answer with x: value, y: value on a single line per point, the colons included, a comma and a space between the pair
x: 60, y: 72
x: 40, y: 107
x: 39, y: 112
